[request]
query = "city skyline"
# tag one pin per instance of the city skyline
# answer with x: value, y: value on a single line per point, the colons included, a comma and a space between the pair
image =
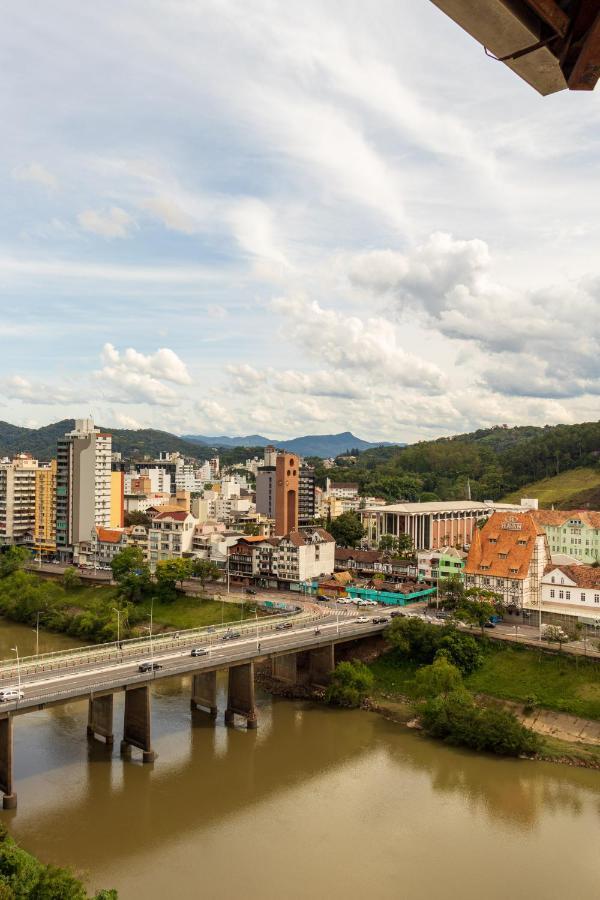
x: 273, y: 229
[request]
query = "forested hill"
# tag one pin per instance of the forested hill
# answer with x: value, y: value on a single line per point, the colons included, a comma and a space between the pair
x: 41, y: 442
x: 493, y: 461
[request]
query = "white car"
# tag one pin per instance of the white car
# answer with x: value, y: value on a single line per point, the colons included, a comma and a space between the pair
x: 362, y: 620
x: 7, y: 694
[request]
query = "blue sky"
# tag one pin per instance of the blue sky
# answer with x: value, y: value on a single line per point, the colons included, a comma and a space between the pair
x: 235, y: 217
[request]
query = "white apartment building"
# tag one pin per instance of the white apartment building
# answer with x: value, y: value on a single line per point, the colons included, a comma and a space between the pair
x: 283, y: 561
x: 571, y: 594
x: 170, y: 535
x: 17, y: 499
x: 341, y: 490
x: 83, y: 485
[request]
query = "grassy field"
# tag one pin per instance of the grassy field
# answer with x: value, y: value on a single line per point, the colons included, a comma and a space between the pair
x: 568, y: 490
x: 512, y: 673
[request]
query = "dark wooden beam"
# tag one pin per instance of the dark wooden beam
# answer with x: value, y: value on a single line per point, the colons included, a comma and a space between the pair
x: 551, y: 13
x: 586, y: 69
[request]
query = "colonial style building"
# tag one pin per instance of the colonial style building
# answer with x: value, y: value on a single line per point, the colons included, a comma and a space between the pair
x: 575, y: 532
x: 508, y: 556
x: 373, y: 562
x: 170, y: 535
x: 571, y: 595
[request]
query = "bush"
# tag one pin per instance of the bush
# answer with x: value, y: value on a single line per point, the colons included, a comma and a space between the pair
x: 421, y: 642
x: 462, y: 650
x: 350, y: 684
x: 456, y: 718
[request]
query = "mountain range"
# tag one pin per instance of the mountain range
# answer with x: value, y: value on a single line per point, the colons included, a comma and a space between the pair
x: 41, y: 442
x: 323, y: 445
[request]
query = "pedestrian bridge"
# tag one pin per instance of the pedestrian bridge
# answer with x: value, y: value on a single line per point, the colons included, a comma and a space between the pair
x: 299, y: 648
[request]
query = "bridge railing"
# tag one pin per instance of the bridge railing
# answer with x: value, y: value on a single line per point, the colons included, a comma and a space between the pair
x: 135, y: 648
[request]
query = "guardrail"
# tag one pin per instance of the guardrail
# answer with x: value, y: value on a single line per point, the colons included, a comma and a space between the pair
x: 135, y: 648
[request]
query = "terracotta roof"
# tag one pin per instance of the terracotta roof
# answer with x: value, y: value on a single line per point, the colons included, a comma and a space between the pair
x: 343, y: 554
x: 177, y: 513
x: 504, y: 546
x: 109, y: 535
x: 582, y: 576
x: 557, y: 517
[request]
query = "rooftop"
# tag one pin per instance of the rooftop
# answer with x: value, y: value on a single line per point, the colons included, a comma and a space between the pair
x: 503, y: 548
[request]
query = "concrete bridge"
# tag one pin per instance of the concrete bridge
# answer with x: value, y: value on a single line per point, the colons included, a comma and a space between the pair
x: 302, y: 651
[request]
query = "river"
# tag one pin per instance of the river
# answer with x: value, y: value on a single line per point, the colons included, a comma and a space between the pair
x: 315, y: 803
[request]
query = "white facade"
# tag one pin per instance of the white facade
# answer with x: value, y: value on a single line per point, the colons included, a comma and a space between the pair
x: 17, y: 499
x: 572, y: 591
x: 170, y: 535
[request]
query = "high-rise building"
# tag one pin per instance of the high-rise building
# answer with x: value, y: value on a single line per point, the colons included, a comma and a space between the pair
x: 306, y: 496
x: 44, y: 533
x: 287, y: 482
x: 117, y: 499
x: 17, y: 499
x: 83, y: 485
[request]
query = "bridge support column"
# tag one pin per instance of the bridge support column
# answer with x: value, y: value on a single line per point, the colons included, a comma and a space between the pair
x: 100, y: 718
x: 9, y: 801
x: 321, y: 663
x: 137, y: 723
x: 240, y: 695
x: 285, y: 668
x: 204, y: 692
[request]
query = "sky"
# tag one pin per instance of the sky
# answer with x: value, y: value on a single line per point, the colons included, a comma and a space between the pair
x: 245, y: 216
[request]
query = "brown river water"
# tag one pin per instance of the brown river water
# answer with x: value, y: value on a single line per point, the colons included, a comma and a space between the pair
x: 315, y: 803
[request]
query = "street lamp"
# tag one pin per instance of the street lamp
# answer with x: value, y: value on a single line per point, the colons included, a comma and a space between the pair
x: 118, y: 612
x: 16, y: 650
x: 37, y: 633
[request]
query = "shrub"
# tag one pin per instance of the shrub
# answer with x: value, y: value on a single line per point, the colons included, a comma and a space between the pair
x: 462, y: 650
x: 350, y: 684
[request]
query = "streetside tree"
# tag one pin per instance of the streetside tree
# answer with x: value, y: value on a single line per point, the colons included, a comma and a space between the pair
x: 347, y: 529
x: 205, y: 570
x: 131, y: 574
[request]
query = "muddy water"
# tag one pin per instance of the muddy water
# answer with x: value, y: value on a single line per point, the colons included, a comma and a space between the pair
x: 316, y: 803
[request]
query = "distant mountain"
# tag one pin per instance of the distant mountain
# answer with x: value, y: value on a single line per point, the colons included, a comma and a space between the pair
x: 323, y: 445
x: 41, y: 442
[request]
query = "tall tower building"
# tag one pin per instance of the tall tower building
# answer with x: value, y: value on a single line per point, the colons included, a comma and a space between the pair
x: 287, y: 480
x: 306, y: 496
x: 17, y: 499
x: 44, y: 532
x: 83, y: 485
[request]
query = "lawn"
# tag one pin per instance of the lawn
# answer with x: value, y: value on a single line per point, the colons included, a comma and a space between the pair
x: 511, y: 673
x: 563, y: 489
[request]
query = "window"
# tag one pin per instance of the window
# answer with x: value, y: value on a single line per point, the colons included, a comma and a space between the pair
x: 553, y: 579
x: 552, y: 593
x: 582, y: 596
x: 567, y: 595
x: 596, y: 598
x: 561, y: 595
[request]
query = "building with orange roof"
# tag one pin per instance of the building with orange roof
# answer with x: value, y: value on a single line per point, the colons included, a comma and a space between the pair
x: 575, y: 532
x: 508, y: 556
x: 283, y: 561
x: 571, y: 595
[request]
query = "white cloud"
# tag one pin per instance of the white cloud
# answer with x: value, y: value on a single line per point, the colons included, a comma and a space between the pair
x: 133, y: 377
x: 114, y: 223
x: 171, y: 213
x: 36, y: 173
x: 17, y: 387
x: 163, y: 364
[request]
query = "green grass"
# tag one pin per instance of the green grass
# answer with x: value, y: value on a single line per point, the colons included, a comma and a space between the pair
x: 563, y: 489
x: 558, y: 682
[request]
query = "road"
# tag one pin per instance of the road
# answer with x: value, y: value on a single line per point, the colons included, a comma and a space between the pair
x: 97, y: 669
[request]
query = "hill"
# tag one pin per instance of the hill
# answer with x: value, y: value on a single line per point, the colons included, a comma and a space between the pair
x: 323, y: 445
x: 576, y: 489
x: 41, y: 442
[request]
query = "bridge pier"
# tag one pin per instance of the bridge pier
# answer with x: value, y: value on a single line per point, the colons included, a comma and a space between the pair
x: 137, y: 722
x: 321, y: 663
x: 285, y: 668
x: 9, y: 800
x: 100, y: 718
x: 204, y: 692
x: 240, y: 695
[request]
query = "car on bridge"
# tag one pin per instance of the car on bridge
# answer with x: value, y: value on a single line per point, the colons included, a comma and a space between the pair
x: 199, y: 651
x: 380, y: 620
x: 8, y: 694
x: 361, y: 620
x: 231, y: 635
x: 149, y: 667
x: 281, y: 626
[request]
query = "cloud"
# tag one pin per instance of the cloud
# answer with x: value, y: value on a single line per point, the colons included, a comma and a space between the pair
x: 163, y: 364
x: 16, y: 387
x: 171, y: 213
x: 133, y: 377
x: 114, y: 223
x: 36, y: 173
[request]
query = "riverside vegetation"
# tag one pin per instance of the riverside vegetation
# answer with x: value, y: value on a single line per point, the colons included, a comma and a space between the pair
x: 88, y: 611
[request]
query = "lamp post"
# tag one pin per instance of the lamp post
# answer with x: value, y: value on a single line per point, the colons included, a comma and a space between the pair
x: 16, y: 650
x: 118, y: 612
x: 37, y: 633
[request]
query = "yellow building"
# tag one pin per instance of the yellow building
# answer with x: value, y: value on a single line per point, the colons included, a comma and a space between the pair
x: 44, y: 531
x: 117, y: 501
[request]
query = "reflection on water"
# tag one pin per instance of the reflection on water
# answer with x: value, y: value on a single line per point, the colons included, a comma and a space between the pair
x: 316, y: 803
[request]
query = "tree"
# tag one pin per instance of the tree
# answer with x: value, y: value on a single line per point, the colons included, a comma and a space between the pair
x: 250, y: 528
x: 58, y: 884
x: 388, y: 543
x: 404, y: 545
x: 70, y: 579
x: 205, y: 570
x: 350, y: 684
x: 131, y: 574
x: 462, y: 650
x: 171, y: 571
x: 554, y: 634
x: 414, y: 638
x: 137, y: 517
x: 451, y: 590
x: 441, y: 677
x: 346, y: 529
x: 475, y: 612
x: 12, y: 559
